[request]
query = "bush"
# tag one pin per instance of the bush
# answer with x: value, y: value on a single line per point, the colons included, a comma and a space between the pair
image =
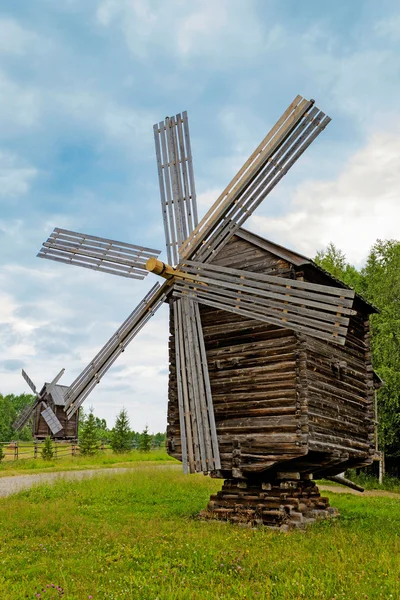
x: 1, y: 453
x: 48, y: 449
x: 145, y: 440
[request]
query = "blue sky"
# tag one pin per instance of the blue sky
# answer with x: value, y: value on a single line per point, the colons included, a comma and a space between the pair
x: 82, y: 83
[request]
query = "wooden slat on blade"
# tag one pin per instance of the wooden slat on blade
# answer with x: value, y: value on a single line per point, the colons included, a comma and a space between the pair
x: 338, y: 339
x: 175, y: 175
x: 111, y: 257
x: 297, y: 143
x: 93, y: 265
x: 85, y: 236
x: 251, y: 303
x: 264, y: 151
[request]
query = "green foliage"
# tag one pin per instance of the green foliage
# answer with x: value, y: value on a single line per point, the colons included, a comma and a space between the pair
x: 1, y: 453
x: 382, y: 274
x: 89, y: 438
x: 134, y: 536
x: 121, y: 438
x: 48, y: 449
x: 334, y: 261
x: 10, y: 408
x: 145, y: 440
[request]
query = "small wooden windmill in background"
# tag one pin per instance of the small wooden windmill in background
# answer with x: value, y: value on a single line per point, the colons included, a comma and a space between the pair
x: 270, y: 369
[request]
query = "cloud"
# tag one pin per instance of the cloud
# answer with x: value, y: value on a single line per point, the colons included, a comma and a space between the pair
x: 389, y: 28
x: 14, y: 39
x: 198, y: 29
x: 15, y: 179
x: 352, y: 210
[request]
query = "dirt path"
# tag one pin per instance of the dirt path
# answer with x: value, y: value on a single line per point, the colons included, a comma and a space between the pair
x: 341, y: 489
x: 13, y: 484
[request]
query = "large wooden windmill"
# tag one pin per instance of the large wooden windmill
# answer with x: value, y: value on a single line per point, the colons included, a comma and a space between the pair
x: 270, y: 371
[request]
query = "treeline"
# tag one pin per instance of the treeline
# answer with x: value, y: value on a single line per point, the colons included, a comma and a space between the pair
x: 379, y: 283
x: 12, y: 405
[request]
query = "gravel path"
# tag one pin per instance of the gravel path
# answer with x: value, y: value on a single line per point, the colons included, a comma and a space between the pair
x: 11, y: 485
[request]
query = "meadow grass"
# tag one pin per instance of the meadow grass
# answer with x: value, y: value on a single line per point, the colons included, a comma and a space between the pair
x: 135, y: 535
x: 67, y: 463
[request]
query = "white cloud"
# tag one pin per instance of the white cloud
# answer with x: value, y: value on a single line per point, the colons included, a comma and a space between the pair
x: 353, y: 210
x: 389, y: 28
x: 15, y: 179
x: 14, y: 39
x: 227, y: 30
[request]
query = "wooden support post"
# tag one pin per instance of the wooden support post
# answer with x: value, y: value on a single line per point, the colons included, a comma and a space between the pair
x: 35, y: 449
x: 15, y: 450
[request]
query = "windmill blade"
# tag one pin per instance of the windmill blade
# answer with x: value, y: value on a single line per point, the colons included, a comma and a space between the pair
x: 200, y: 451
x: 25, y: 415
x: 51, y: 420
x: 96, y: 253
x: 176, y: 180
x: 28, y: 410
x: 92, y: 374
x: 298, y: 127
x: 29, y: 382
x: 50, y: 386
x: 316, y: 310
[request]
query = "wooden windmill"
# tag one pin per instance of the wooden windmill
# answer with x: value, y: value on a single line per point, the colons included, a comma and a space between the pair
x: 252, y: 328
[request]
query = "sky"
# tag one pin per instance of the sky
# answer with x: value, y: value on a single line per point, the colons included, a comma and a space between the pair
x: 81, y: 85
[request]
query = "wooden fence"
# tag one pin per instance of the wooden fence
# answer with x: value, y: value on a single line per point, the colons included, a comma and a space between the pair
x: 17, y: 450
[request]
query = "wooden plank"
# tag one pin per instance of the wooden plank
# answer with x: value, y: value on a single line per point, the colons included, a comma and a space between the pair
x: 151, y: 251
x: 183, y: 419
x: 338, y: 339
x: 162, y: 193
x: 244, y: 175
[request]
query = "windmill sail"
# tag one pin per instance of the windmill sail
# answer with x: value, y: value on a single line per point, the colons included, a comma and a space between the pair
x: 25, y: 416
x: 96, y: 253
x: 200, y: 451
x: 298, y: 127
x: 317, y: 310
x: 176, y: 180
x: 51, y: 420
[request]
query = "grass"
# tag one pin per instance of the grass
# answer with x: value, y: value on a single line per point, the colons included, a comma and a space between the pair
x: 135, y: 536
x: 68, y: 463
x: 369, y: 482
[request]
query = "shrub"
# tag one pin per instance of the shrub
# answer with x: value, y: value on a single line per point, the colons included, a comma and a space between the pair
x: 48, y: 449
x: 145, y: 440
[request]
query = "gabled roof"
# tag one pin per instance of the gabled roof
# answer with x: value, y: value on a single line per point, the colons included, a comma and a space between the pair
x: 298, y: 260
x: 58, y: 394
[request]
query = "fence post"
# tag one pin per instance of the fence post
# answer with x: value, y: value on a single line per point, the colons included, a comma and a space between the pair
x: 102, y: 445
x: 15, y: 450
x: 35, y: 449
x: 55, y: 449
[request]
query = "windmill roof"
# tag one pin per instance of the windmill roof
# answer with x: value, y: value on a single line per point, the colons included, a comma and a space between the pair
x: 298, y: 260
x: 58, y: 394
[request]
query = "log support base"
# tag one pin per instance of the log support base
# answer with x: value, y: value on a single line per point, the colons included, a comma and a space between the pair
x: 282, y: 504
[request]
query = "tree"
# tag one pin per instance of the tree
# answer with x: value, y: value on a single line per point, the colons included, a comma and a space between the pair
x: 48, y: 449
x: 333, y: 260
x: 1, y: 453
x: 145, y: 440
x: 121, y: 438
x: 382, y: 276
x: 10, y: 407
x: 88, y: 440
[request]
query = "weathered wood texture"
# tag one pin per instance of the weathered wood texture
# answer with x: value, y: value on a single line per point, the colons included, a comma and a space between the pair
x: 281, y: 399
x: 41, y: 429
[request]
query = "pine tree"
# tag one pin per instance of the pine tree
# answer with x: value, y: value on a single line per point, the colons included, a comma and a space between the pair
x: 145, y: 440
x: 88, y: 441
x: 48, y: 449
x: 121, y: 439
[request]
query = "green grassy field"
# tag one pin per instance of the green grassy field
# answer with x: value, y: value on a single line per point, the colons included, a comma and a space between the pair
x: 68, y: 463
x: 135, y: 536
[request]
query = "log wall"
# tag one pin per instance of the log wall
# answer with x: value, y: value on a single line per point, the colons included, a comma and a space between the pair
x: 281, y: 398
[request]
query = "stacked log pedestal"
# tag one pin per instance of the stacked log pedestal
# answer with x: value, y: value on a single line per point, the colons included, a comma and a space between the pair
x: 280, y: 503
